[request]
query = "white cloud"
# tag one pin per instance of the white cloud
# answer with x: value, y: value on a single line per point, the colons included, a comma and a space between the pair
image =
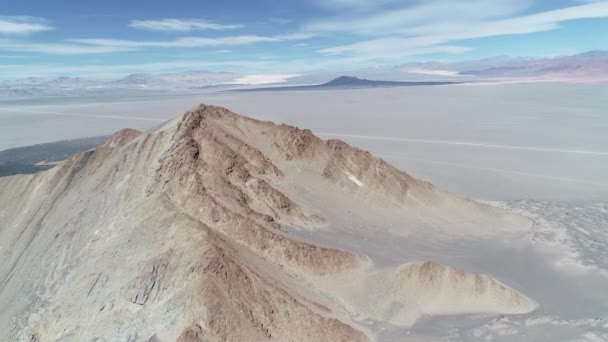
x: 517, y: 25
x: 294, y: 36
x: 14, y: 56
x: 57, y: 48
x: 90, y: 46
x: 179, y: 25
x: 185, y: 42
x: 22, y: 24
x: 430, y: 12
x: 191, y: 42
x: 426, y: 27
x: 387, y: 48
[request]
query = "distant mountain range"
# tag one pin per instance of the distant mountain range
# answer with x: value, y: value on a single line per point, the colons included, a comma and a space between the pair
x: 349, y: 82
x: 590, y: 66
x: 133, y: 84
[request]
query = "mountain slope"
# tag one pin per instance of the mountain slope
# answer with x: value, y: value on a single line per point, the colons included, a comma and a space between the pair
x: 204, y: 229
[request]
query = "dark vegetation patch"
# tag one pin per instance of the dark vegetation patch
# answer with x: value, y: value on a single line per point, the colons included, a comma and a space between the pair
x: 23, y: 160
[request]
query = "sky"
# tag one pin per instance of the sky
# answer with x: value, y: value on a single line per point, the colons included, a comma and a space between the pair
x: 92, y: 38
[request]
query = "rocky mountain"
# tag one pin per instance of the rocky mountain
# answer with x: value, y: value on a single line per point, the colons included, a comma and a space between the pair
x: 218, y: 227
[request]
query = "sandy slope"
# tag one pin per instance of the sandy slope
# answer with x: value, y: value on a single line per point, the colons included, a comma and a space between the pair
x: 214, y: 226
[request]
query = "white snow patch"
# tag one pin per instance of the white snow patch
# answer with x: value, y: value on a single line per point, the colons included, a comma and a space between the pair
x: 354, y: 179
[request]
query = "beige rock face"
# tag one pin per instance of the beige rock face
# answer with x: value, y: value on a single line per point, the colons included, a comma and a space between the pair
x: 187, y: 233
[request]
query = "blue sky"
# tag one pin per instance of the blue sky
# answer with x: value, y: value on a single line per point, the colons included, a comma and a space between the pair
x: 112, y: 38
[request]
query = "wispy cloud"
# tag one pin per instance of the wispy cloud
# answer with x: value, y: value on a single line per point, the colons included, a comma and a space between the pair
x: 426, y: 27
x: 352, y: 4
x: 13, y: 56
x: 22, y: 24
x: 427, y: 13
x: 191, y: 42
x: 58, y: 48
x: 393, y: 48
x: 180, y: 25
x: 96, y: 46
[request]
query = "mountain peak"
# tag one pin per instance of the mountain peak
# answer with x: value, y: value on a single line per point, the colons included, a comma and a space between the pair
x: 121, y: 138
x: 217, y: 214
x: 344, y: 80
